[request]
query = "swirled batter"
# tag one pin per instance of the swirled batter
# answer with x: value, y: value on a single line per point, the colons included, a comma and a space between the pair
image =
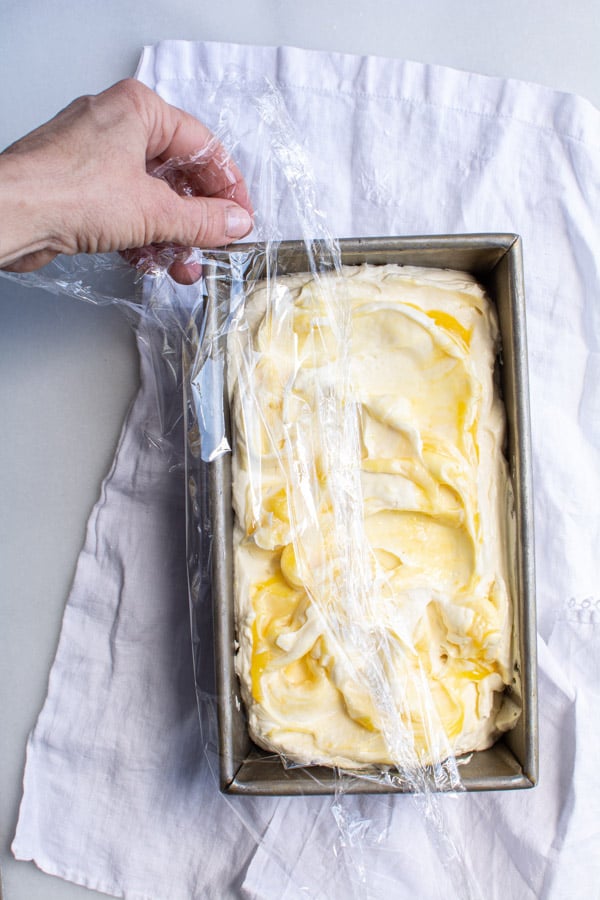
x: 370, y: 497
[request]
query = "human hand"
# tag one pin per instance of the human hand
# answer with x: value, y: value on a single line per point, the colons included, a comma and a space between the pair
x: 82, y: 183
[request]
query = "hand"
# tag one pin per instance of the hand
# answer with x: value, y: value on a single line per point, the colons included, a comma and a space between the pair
x: 82, y: 183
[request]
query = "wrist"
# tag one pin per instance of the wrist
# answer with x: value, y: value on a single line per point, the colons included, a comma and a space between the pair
x: 24, y: 221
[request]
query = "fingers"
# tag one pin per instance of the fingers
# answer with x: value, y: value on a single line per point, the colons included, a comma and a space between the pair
x: 181, y: 146
x: 181, y: 268
x: 199, y: 198
x: 210, y: 171
x: 192, y: 221
x: 185, y: 273
x: 174, y: 223
x: 182, y: 150
x: 205, y: 175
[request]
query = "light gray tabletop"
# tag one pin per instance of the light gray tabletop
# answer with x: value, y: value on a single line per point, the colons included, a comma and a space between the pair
x: 69, y: 370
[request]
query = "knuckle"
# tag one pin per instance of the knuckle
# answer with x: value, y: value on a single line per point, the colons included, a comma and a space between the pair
x: 134, y: 100
x: 208, y: 225
x: 127, y: 87
x: 83, y: 104
x: 132, y: 92
x: 203, y: 228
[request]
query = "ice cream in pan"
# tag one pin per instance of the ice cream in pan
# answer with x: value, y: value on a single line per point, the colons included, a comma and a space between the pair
x: 370, y: 492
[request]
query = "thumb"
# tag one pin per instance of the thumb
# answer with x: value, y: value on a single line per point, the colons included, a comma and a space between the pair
x: 195, y: 221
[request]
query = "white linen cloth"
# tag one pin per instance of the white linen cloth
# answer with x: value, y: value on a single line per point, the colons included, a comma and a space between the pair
x: 117, y: 792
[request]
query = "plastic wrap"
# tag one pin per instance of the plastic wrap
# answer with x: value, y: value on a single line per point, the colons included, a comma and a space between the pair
x: 365, y: 486
x: 282, y: 396
x: 278, y: 374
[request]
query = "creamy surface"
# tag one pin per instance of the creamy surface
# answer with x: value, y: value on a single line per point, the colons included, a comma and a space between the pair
x: 370, y: 496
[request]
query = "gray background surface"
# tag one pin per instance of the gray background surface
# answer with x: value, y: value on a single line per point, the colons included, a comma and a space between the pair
x: 69, y: 369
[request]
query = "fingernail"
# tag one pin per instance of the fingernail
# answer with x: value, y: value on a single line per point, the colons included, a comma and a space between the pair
x: 237, y: 222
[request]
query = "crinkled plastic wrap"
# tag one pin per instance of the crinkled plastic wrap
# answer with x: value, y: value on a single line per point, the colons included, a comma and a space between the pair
x: 348, y: 500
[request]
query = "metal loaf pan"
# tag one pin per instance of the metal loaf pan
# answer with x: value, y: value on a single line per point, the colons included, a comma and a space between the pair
x: 496, y: 261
